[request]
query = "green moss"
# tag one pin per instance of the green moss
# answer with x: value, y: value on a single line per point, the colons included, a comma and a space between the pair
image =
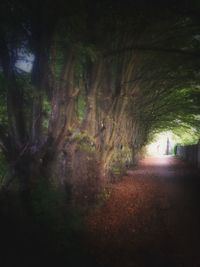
x: 81, y: 107
x: 85, y: 142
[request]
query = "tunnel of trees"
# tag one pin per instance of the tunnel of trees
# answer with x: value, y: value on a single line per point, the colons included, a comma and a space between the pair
x: 102, y: 78
x: 84, y: 86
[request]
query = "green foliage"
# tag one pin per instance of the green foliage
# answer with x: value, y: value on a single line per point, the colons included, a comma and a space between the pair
x: 186, y: 135
x: 84, y: 142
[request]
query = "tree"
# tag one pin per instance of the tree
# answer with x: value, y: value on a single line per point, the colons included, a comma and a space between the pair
x: 128, y: 81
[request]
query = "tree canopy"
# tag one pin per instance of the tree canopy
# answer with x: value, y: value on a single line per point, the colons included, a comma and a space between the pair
x: 101, y: 75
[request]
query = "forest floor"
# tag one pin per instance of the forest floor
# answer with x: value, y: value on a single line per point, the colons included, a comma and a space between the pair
x: 152, y: 218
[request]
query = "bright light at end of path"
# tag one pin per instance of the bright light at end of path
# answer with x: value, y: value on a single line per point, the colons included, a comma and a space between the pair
x: 163, y: 145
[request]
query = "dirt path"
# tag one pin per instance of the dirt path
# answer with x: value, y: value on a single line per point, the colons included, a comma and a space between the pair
x: 152, y: 218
